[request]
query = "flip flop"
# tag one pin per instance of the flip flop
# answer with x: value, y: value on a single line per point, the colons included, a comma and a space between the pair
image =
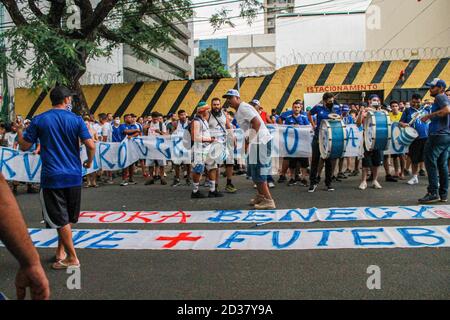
x: 57, y: 260
x: 60, y: 265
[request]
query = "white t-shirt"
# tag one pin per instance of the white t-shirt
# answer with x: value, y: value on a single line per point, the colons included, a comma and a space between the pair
x: 10, y: 138
x: 97, y: 128
x: 156, y: 126
x: 107, y: 131
x: 244, y: 115
x: 217, y: 124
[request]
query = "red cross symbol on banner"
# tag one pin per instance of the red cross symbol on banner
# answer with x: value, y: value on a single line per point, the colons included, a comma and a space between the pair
x: 173, y: 241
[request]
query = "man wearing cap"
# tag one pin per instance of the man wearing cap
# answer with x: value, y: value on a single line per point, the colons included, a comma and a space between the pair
x: 202, y: 140
x: 322, y: 112
x: 59, y: 132
x: 438, y: 143
x: 372, y: 159
x: 258, y: 143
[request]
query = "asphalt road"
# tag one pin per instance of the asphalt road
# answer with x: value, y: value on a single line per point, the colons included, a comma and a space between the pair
x: 305, y: 274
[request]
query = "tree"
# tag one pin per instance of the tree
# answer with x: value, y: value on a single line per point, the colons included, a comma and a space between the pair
x: 63, y: 34
x: 208, y: 65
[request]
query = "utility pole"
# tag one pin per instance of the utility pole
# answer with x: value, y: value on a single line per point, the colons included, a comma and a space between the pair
x: 237, y: 77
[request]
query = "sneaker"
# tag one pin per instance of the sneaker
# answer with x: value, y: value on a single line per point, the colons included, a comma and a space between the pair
x: 342, y: 176
x: 304, y: 183
x: 335, y: 179
x: 265, y: 204
x: 414, y: 180
x: 291, y: 183
x: 422, y: 173
x: 271, y: 185
x: 390, y: 178
x: 149, y: 182
x: 197, y: 195
x: 406, y: 173
x: 312, y: 188
x: 254, y: 186
x: 363, y: 185
x: 176, y: 183
x: 443, y: 198
x: 188, y: 182
x: 230, y: 188
x: 376, y: 185
x: 241, y: 173
x: 257, y: 199
x: 110, y: 182
x: 124, y: 183
x: 215, y: 194
x: 132, y: 182
x: 163, y: 182
x: 282, y: 179
x: 348, y: 171
x: 330, y: 188
x: 354, y: 173
x: 430, y: 198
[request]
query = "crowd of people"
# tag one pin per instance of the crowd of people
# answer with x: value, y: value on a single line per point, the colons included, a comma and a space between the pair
x: 219, y: 116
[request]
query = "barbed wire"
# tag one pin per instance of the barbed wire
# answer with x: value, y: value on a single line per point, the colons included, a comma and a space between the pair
x: 362, y: 55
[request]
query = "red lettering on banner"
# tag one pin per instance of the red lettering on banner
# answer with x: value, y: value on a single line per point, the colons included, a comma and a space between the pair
x: 173, y: 241
x: 179, y: 214
x: 91, y: 214
x: 102, y: 219
x: 142, y: 216
x: 442, y: 213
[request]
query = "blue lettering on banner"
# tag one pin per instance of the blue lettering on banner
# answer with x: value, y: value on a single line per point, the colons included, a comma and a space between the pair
x: 276, y: 240
x: 177, y: 151
x: 288, y: 215
x: 105, y: 147
x: 359, y: 239
x: 325, y: 235
x: 110, y: 237
x: 79, y: 234
x: 122, y: 162
x: 235, y: 237
x: 341, y: 211
x: 49, y: 242
x: 142, y: 147
x: 31, y: 174
x: 165, y: 153
x: 295, y: 143
x: 419, y: 214
x: 226, y: 216
x: 34, y: 231
x: 387, y: 215
x: 3, y: 161
x: 259, y: 216
x: 411, y: 237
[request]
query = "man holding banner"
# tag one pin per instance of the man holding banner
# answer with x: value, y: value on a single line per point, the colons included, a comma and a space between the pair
x: 60, y: 132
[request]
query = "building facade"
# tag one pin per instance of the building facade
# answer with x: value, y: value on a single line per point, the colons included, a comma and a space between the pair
x: 274, y: 7
x: 220, y: 45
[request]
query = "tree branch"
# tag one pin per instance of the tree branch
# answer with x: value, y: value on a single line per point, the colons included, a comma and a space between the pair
x: 56, y: 12
x: 86, y: 9
x: 34, y: 8
x: 14, y: 12
x: 111, y: 36
x: 100, y: 13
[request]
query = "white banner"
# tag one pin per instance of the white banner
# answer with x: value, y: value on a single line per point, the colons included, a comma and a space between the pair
x: 287, y: 239
x: 288, y: 141
x: 267, y: 216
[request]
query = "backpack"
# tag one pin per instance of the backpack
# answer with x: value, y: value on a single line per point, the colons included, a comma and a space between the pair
x: 188, y: 142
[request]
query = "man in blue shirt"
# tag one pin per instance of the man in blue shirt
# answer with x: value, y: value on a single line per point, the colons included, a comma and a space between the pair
x: 60, y: 132
x: 128, y: 130
x: 322, y: 112
x: 438, y: 143
x: 416, y: 149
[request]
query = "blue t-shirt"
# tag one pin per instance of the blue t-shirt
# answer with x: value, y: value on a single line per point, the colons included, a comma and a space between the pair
x: 59, y: 132
x: 285, y: 114
x: 349, y: 120
x: 439, y: 125
x: 322, y: 114
x: 420, y: 126
x: 124, y: 127
x: 300, y: 120
x: 117, y: 134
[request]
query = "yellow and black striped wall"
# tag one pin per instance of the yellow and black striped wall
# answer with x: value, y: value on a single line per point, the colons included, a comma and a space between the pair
x: 277, y: 90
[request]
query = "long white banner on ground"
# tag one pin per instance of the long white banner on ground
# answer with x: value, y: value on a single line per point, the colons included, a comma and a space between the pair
x: 288, y: 141
x: 292, y: 239
x: 267, y: 216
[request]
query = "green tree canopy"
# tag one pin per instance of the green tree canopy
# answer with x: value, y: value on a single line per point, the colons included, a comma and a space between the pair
x: 208, y: 65
x: 60, y: 50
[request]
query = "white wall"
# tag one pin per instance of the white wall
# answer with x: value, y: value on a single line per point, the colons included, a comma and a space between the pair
x: 302, y: 36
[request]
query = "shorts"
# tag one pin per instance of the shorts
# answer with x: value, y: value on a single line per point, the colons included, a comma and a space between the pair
x: 60, y: 206
x: 200, y: 168
x: 416, y: 151
x: 201, y: 161
x: 159, y: 163
x: 304, y: 163
x: 180, y: 162
x: 373, y: 158
x: 261, y: 167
